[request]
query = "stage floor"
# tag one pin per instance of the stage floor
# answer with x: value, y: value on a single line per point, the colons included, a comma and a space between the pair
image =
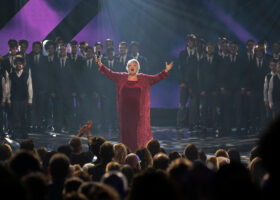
x: 169, y: 138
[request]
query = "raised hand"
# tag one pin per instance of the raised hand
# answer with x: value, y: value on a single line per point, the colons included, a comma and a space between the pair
x: 89, y: 125
x: 98, y: 61
x: 168, y: 66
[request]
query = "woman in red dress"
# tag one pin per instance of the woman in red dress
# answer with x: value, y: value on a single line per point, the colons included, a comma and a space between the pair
x: 133, y: 101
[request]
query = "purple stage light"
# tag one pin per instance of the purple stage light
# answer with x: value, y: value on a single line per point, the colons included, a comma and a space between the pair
x: 33, y: 23
x: 236, y: 28
x: 165, y: 95
x: 101, y: 27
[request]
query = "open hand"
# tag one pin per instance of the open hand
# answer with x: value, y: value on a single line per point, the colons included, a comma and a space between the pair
x: 98, y: 61
x: 168, y: 66
x: 89, y: 126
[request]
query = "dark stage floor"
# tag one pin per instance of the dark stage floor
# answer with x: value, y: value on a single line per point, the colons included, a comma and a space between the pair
x: 169, y: 138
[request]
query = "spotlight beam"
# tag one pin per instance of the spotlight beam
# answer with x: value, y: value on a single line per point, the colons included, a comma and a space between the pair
x: 76, y: 20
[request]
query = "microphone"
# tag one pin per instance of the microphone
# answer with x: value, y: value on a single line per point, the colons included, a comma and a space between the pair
x: 98, y: 54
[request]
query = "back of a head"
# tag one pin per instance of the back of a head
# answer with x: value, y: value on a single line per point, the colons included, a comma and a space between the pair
x: 106, y: 151
x: 65, y: 149
x: 160, y: 161
x: 72, y: 185
x: 27, y: 144
x: 255, y: 152
x: 74, y: 196
x: 86, y: 187
x: 116, y: 180
x: 222, y: 161
x: 128, y: 172
x: 268, y: 148
x: 257, y: 170
x: 174, y: 155
x: 131, y: 159
x: 103, y: 192
x: 87, y: 166
x: 120, y: 153
x: 145, y: 157
x: 212, y: 163
x: 153, y: 146
x: 83, y: 175
x: 24, y: 162
x: 42, y: 152
x: 191, y: 152
x: 179, y: 169
x: 151, y: 184
x: 96, y: 143
x: 47, y: 158
x: 11, y: 187
x: 59, y: 166
x: 36, y: 185
x: 233, y: 181
x: 113, y: 166
x: 5, y: 152
x: 221, y: 153
x: 76, y: 144
x: 234, y: 155
x: 202, y: 156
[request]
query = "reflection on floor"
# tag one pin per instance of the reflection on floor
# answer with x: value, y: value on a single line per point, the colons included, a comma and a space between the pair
x: 169, y: 138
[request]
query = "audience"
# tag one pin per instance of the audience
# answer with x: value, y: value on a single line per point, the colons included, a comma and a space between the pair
x: 146, y: 160
x: 106, y: 156
x: 160, y: 161
x: 234, y: 155
x: 40, y: 175
x: 191, y: 152
x: 132, y: 160
x: 120, y: 153
x: 154, y: 147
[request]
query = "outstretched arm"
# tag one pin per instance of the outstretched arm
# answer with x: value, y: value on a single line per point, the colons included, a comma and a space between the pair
x: 114, y: 76
x: 153, y: 79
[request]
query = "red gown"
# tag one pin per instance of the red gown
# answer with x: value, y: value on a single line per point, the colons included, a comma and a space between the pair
x: 133, y: 103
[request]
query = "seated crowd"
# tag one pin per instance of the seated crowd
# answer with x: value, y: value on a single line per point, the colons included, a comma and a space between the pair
x: 107, y: 171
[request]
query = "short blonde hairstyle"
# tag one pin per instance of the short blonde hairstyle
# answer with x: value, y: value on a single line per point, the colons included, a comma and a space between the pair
x: 133, y: 60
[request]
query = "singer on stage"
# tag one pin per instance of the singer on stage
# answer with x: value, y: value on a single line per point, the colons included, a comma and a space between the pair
x: 133, y: 101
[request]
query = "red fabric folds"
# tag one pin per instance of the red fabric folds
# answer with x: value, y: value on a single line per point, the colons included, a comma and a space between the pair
x: 135, y: 123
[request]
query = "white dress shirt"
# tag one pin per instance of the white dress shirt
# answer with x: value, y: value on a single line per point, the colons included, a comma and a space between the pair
x: 8, y: 87
x: 270, y: 90
x: 266, y: 87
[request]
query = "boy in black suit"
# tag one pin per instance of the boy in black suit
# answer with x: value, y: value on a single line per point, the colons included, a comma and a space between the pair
x: 208, y: 89
x: 134, y: 50
x: 273, y: 93
x: 36, y: 67
x: 188, y: 79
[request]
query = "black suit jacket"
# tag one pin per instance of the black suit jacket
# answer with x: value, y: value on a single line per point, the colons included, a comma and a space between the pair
x: 64, y: 82
x: 90, y: 78
x: 107, y: 86
x: 188, y: 70
x: 209, y: 74
x: 37, y: 72
x: 50, y: 78
x: 143, y: 64
x: 122, y: 66
x: 257, y: 75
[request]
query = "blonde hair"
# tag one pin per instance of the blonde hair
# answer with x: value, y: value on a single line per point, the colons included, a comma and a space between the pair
x: 120, y: 153
x: 133, y: 60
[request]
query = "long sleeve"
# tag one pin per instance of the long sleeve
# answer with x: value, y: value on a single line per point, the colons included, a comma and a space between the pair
x: 270, y: 90
x: 114, y: 76
x: 8, y: 89
x: 153, y: 79
x: 30, y: 89
x: 265, y: 89
x: 3, y: 83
